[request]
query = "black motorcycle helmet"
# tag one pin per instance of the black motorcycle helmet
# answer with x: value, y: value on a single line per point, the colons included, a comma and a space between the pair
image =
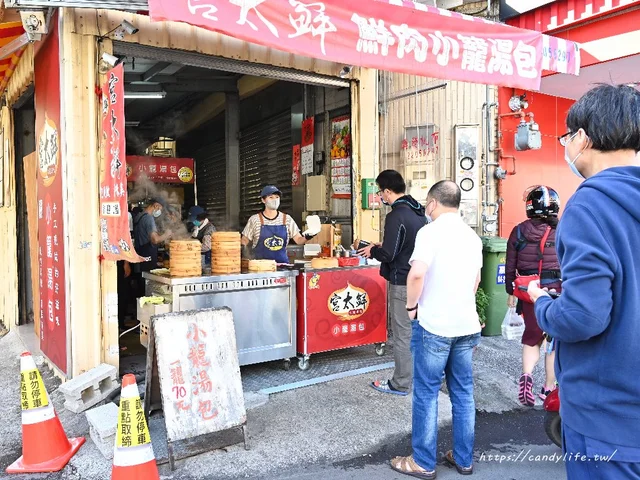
x: 542, y: 202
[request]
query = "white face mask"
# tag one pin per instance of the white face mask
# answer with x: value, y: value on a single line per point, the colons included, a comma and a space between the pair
x: 157, y: 213
x: 429, y: 219
x: 572, y: 163
x: 273, y: 204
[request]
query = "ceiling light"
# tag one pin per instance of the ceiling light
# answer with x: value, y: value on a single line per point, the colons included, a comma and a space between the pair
x: 145, y: 95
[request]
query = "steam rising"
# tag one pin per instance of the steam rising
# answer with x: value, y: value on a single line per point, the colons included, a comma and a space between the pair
x: 171, y: 218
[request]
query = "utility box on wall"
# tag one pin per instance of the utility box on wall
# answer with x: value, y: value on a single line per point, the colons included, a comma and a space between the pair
x: 467, y: 170
x: 316, y: 193
x: 370, y: 198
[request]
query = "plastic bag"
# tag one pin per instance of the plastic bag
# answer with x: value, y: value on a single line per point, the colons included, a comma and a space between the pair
x: 512, y: 325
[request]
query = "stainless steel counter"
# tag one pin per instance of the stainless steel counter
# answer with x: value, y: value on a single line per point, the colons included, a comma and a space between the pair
x: 263, y: 305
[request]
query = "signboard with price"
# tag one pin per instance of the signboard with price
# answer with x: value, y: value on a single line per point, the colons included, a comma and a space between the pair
x: 194, y: 373
x: 51, y: 227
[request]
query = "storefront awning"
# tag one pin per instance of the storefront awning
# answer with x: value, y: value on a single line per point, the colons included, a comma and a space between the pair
x: 392, y: 35
x: 9, y: 32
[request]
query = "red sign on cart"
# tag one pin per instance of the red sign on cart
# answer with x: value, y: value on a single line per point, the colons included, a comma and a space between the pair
x: 161, y: 170
x: 51, y: 226
x: 341, y: 308
x: 391, y: 35
x: 114, y: 215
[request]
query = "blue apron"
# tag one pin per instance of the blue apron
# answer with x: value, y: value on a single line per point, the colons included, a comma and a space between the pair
x: 273, y: 241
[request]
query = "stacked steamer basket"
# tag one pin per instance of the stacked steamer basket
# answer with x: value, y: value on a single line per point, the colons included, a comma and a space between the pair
x: 258, y: 266
x: 184, y: 258
x: 225, y: 253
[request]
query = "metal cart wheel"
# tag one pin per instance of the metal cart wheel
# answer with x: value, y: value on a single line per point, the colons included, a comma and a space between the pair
x: 303, y: 363
x: 380, y: 349
x: 287, y: 364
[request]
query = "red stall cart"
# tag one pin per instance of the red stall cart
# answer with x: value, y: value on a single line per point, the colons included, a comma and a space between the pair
x: 340, y: 308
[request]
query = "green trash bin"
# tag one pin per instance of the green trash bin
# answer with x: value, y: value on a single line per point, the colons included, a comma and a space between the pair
x: 492, y: 282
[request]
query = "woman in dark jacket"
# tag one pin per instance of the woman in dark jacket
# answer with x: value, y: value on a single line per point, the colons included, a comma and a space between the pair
x: 523, y: 258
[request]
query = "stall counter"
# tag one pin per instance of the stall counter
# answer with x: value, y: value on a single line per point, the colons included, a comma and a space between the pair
x: 263, y: 305
x: 340, y: 308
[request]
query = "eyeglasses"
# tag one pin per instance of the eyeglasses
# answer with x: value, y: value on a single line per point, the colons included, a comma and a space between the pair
x: 566, y: 138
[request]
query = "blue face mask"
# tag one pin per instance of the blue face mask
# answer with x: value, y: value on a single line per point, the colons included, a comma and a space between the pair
x: 197, y: 223
x: 572, y: 163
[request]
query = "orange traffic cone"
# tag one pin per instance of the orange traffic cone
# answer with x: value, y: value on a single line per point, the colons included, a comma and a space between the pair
x: 45, y: 446
x: 133, y: 457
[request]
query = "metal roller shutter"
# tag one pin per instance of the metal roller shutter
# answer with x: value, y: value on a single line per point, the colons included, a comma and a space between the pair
x: 134, y: 5
x: 211, y: 177
x: 265, y: 158
x: 226, y: 64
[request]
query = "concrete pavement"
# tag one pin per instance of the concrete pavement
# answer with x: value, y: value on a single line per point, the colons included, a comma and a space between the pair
x: 299, y: 433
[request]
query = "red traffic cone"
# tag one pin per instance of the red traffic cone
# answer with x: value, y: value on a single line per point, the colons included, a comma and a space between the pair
x: 45, y: 446
x: 133, y: 457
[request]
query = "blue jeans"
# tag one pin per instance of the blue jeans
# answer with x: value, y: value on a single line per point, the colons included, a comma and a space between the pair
x: 431, y: 356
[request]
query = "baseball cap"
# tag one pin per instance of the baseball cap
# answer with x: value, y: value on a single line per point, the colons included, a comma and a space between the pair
x: 194, y: 212
x: 153, y: 200
x: 270, y: 190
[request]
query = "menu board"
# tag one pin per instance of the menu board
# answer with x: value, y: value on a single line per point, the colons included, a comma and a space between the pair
x: 51, y: 228
x: 198, y: 371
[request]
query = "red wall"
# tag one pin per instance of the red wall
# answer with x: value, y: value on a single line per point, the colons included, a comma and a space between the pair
x: 533, y: 167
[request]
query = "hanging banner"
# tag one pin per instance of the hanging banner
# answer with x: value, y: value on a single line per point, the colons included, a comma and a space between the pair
x: 341, y: 157
x: 51, y: 231
x: 392, y: 35
x: 161, y: 170
x: 296, y: 176
x: 114, y: 213
x: 306, y: 152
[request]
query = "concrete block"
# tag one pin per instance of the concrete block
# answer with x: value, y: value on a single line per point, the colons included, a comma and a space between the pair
x: 103, y: 423
x: 90, y: 388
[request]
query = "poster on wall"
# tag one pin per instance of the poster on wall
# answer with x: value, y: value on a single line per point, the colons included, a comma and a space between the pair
x: 306, y: 152
x: 341, y: 157
x: 51, y: 228
x: 295, y: 167
x: 115, y: 238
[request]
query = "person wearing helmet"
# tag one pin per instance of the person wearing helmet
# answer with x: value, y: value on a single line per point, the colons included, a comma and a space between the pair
x: 523, y: 258
x: 270, y: 231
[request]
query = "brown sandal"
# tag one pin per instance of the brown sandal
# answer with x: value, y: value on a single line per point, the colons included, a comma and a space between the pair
x: 408, y: 466
x: 461, y: 470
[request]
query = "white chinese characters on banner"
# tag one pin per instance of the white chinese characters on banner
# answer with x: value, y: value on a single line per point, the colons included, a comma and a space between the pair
x: 318, y: 25
x: 247, y: 6
x: 207, y: 10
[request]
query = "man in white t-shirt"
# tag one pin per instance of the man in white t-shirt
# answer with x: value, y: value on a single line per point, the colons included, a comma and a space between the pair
x: 441, y: 288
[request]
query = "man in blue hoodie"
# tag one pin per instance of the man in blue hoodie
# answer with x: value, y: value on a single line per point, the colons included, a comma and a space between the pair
x: 401, y: 226
x: 596, y: 320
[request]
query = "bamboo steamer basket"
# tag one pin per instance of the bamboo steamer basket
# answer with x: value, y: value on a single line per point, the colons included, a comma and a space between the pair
x: 185, y: 258
x: 256, y: 266
x: 226, y: 253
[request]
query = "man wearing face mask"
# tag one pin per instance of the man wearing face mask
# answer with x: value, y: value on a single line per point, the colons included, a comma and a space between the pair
x: 595, y: 319
x: 145, y: 235
x: 400, y: 229
x: 270, y: 231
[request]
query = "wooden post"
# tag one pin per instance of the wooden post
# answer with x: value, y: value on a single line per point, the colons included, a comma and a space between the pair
x: 232, y: 147
x: 80, y: 147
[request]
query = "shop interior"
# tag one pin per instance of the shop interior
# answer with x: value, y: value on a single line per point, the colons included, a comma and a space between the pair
x: 215, y: 118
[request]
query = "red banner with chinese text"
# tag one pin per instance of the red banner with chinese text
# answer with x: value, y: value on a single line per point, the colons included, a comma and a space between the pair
x: 51, y: 228
x: 114, y: 213
x: 161, y: 170
x: 295, y: 164
x: 392, y: 35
